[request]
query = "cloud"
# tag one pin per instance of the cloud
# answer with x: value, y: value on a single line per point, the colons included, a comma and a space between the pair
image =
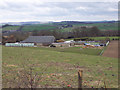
x: 82, y: 8
x: 112, y: 9
x: 29, y: 10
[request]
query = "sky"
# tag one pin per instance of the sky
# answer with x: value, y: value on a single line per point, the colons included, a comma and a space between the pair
x: 62, y: 10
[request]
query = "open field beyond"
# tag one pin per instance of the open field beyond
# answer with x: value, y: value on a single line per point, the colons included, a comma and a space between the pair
x: 49, y: 26
x: 102, y: 26
x: 99, y: 38
x: 56, y: 68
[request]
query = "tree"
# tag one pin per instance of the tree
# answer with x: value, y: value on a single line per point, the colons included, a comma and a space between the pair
x: 94, y: 31
x: 76, y: 32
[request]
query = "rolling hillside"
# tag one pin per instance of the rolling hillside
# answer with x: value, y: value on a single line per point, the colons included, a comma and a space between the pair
x: 38, y: 27
x: 55, y: 25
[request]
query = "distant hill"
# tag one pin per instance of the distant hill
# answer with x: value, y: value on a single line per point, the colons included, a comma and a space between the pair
x: 62, y: 22
x: 63, y: 25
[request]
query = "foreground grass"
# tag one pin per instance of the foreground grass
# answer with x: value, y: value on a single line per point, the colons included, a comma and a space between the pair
x: 60, y: 68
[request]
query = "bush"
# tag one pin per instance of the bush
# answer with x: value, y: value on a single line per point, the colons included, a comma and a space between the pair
x: 113, y: 39
x: 107, y: 39
x: 81, y: 39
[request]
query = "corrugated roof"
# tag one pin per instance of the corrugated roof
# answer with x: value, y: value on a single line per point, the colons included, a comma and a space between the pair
x: 40, y: 39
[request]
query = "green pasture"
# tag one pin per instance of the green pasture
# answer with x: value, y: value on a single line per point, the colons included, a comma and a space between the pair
x: 78, y: 50
x: 10, y: 28
x: 103, y: 38
x: 37, y: 27
x: 99, y: 38
x: 102, y: 26
x: 59, y: 67
x: 69, y: 29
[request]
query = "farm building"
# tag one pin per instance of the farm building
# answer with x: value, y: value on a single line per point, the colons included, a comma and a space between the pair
x: 40, y: 40
x: 63, y: 44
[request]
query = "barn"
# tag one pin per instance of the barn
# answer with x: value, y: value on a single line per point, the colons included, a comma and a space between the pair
x: 40, y: 40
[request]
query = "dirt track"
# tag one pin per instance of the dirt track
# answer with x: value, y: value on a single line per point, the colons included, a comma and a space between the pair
x: 112, y: 50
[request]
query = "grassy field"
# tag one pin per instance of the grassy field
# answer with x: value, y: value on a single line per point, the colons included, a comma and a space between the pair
x: 98, y: 38
x: 37, y: 27
x: 30, y: 27
x: 10, y: 28
x: 102, y: 26
x: 79, y: 50
x: 59, y: 68
x: 66, y: 29
x: 103, y: 38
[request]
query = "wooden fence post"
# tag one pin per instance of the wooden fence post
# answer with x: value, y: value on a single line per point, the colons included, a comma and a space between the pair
x: 80, y: 79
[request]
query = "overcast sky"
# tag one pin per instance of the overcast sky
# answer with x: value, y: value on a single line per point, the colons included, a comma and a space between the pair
x: 35, y: 10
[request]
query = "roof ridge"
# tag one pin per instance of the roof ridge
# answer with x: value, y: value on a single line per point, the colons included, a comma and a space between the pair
x: 41, y: 39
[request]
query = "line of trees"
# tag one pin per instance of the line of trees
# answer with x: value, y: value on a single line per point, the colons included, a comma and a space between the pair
x: 85, y: 32
x: 76, y: 32
x: 15, y: 37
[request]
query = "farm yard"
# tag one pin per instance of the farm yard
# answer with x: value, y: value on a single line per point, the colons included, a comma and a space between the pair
x: 57, y: 67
